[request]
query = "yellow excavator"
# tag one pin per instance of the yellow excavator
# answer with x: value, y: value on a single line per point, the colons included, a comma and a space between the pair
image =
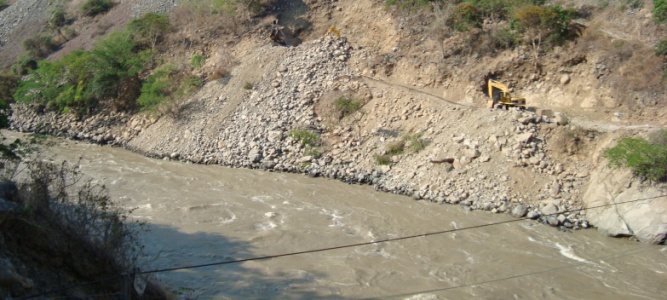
x: 499, y: 95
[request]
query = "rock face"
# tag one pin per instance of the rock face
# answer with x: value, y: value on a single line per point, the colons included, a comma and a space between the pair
x: 644, y: 220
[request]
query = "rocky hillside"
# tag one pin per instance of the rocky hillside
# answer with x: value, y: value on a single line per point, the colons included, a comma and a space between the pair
x: 419, y: 125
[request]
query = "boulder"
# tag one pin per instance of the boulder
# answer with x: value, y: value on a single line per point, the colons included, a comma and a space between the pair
x: 565, y: 79
x: 524, y: 137
x: 549, y: 209
x: 519, y: 211
x: 644, y: 219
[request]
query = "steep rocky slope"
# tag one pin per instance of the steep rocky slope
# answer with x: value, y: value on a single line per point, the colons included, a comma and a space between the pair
x: 531, y: 163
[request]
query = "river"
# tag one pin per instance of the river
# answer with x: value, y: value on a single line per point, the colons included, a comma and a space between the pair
x: 199, y: 214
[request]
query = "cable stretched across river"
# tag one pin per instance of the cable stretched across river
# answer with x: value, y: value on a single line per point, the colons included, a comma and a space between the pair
x: 237, y: 261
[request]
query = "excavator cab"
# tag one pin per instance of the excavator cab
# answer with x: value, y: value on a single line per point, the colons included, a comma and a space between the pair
x: 499, y: 95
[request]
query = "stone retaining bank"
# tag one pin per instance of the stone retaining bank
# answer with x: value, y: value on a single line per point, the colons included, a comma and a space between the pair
x: 256, y: 133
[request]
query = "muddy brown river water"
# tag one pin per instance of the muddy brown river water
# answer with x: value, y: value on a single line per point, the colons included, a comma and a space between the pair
x: 200, y: 214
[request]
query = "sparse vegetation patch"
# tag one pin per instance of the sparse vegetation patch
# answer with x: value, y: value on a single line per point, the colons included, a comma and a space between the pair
x: 646, y: 158
x: 305, y: 137
x: 95, y: 7
x: 347, y: 106
x: 415, y: 142
x: 197, y: 61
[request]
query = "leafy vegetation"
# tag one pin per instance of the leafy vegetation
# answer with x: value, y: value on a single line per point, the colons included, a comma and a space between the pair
x: 157, y: 88
x: 23, y: 65
x: 39, y: 45
x: 347, y: 106
x: 83, y: 79
x: 544, y: 24
x: 661, y: 48
x: 646, y: 158
x: 3, y: 4
x: 228, y: 7
x: 149, y: 29
x: 464, y: 17
x: 166, y: 84
x: 8, y: 84
x: 95, y: 7
x: 415, y: 142
x: 659, y: 11
x: 248, y: 86
x: 197, y: 61
x: 58, y: 17
x: 305, y: 137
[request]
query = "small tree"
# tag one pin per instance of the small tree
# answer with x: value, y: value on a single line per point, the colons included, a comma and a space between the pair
x: 464, y: 17
x: 647, y: 159
x: 149, y: 29
x: 542, y: 24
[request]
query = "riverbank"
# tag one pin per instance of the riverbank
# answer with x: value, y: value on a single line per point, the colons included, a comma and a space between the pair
x: 492, y: 160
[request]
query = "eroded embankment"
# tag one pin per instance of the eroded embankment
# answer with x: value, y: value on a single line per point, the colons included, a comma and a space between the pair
x: 493, y: 160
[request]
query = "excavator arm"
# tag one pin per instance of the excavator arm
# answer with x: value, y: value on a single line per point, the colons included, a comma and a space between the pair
x: 499, y: 93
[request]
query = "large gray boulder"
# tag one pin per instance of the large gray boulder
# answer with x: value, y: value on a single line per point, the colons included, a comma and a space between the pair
x: 646, y: 220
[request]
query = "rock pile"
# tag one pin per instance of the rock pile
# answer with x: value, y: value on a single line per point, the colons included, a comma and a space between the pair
x: 260, y: 131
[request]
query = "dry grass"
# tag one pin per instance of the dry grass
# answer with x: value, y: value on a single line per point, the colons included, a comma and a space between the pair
x: 568, y: 141
x: 219, y: 73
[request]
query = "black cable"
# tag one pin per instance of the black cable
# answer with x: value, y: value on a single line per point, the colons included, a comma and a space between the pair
x: 235, y: 261
x: 572, y: 265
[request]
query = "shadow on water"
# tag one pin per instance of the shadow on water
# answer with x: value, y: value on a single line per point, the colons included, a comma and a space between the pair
x: 290, y: 14
x: 167, y: 247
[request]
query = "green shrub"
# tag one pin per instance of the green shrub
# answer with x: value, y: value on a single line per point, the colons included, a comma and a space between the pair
x: 248, y: 86
x: 95, y: 7
x: 149, y: 29
x: 347, y: 106
x: 661, y: 48
x: 23, y: 65
x: 189, y: 85
x: 415, y: 142
x: 165, y: 85
x: 157, y: 88
x: 383, y: 159
x: 39, y: 45
x: 197, y: 61
x: 506, y: 37
x: 58, y: 17
x: 3, y: 4
x: 659, y: 11
x: 305, y: 137
x: 8, y: 84
x: 501, y: 9
x: 549, y: 25
x: 647, y: 159
x: 464, y: 17
x: 82, y: 79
